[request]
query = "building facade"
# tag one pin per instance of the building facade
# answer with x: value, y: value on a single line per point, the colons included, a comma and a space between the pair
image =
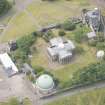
x: 60, y: 50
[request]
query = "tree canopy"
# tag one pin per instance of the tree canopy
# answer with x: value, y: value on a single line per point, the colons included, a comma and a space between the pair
x: 4, y: 6
x: 90, y: 74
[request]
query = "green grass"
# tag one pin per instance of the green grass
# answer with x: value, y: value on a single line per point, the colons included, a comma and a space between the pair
x: 93, y: 97
x: 21, y: 25
x: 44, y: 13
x: 40, y: 54
x: 53, y: 12
x: 15, y: 101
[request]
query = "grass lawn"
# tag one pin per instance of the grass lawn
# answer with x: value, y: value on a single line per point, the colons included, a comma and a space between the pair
x: 43, y: 13
x: 15, y: 101
x: 40, y: 57
x: 93, y: 97
x: 19, y: 26
x: 53, y: 12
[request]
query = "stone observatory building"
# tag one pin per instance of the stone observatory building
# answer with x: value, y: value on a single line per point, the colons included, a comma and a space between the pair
x: 60, y: 50
x: 45, y: 83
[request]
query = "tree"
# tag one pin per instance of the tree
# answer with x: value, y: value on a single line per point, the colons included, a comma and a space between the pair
x: 68, y: 25
x: 38, y: 70
x: 79, y: 49
x: 4, y: 6
x: 100, y: 45
x: 100, y: 37
x: 48, y: 35
x: 80, y: 34
x: 19, y: 55
x: 25, y: 42
x: 90, y: 74
x: 61, y: 32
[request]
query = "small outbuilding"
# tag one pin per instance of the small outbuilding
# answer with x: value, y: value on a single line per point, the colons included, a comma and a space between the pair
x: 91, y: 35
x: 100, y: 54
x: 45, y: 83
x: 8, y: 64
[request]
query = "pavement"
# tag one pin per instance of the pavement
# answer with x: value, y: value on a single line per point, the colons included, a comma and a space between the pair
x: 15, y: 86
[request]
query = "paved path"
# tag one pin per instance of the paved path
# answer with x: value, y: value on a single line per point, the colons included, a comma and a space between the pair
x: 73, y: 92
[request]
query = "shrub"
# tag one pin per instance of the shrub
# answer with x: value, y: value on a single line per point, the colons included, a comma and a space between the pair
x: 38, y: 69
x: 4, y: 6
x: 25, y: 42
x: 92, y: 43
x: 80, y: 34
x: 27, y: 101
x: 48, y: 35
x: 19, y: 56
x: 100, y: 46
x: 61, y: 32
x: 68, y: 25
x: 100, y: 37
x: 90, y: 74
x: 30, y: 77
x: 79, y: 49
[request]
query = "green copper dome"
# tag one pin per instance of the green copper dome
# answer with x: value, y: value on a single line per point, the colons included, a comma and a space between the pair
x: 45, y: 82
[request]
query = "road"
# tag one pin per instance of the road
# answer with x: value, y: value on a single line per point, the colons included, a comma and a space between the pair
x: 73, y: 92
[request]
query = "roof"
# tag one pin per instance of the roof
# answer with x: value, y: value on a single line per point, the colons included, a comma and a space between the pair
x: 91, y: 35
x: 60, y: 44
x: 56, y: 41
x: 45, y: 82
x: 8, y: 64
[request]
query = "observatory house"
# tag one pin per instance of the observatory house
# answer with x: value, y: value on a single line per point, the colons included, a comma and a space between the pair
x: 60, y: 50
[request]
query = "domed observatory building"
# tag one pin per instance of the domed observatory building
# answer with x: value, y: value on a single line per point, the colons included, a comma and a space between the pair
x: 100, y: 54
x: 45, y: 84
